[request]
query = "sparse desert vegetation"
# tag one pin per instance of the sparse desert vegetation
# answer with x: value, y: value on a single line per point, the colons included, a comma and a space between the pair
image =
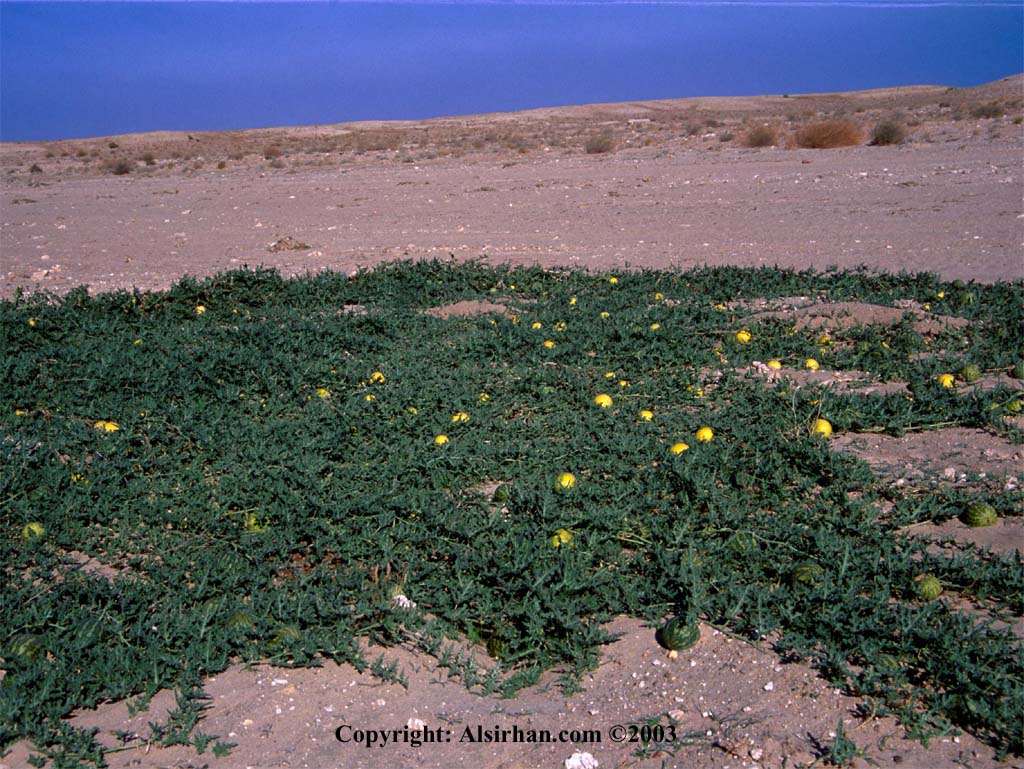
x: 760, y: 136
x: 988, y: 111
x: 827, y: 134
x: 810, y: 121
x: 118, y: 166
x: 596, y: 145
x: 888, y: 132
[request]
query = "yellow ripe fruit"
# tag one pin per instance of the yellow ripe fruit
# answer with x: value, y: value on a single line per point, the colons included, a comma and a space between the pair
x: 941, y: 295
x: 460, y: 416
x: 549, y: 343
x: 565, y: 482
x: 484, y: 397
x: 254, y: 524
x: 823, y: 427
x: 377, y: 378
x: 536, y: 324
x: 560, y: 537
x: 705, y: 434
x: 200, y: 309
x: 613, y: 280
x: 721, y: 307
x: 623, y: 383
x: 678, y: 448
x: 20, y: 412
x: 441, y: 440
x: 33, y: 531
x: 947, y: 380
x: 824, y: 339
x: 743, y: 337
x: 609, y: 375
x: 655, y: 326
x: 31, y: 322
x: 605, y: 316
x: 774, y: 365
x: 658, y: 296
x: 572, y: 301
x: 323, y: 392
x: 412, y: 410
x: 108, y: 427
x: 646, y: 415
x: 811, y: 364
x: 560, y: 326
x: 370, y: 397
x: 603, y: 400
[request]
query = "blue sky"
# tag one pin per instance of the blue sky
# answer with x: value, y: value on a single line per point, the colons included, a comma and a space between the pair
x: 69, y: 70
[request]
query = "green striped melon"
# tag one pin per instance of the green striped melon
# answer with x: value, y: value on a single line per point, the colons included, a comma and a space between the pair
x: 927, y: 586
x: 970, y: 373
x: 980, y: 514
x: 678, y: 634
x: 806, y: 574
x: 497, y: 648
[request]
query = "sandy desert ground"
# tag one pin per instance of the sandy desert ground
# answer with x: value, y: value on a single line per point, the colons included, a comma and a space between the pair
x: 642, y: 185
x: 653, y: 184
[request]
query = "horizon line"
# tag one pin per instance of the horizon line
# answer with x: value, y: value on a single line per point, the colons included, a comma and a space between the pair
x: 878, y: 4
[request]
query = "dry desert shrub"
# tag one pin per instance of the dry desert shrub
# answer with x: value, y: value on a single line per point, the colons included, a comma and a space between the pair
x: 272, y: 152
x: 887, y: 132
x: 118, y: 167
x: 760, y: 136
x: 992, y: 110
x: 828, y: 134
x: 601, y: 143
x: 373, y: 140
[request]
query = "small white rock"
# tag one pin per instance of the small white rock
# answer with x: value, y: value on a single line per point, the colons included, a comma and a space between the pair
x: 579, y: 760
x: 756, y: 753
x: 769, y: 687
x: 416, y: 724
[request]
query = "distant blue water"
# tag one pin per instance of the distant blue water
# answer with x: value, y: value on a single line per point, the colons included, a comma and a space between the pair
x: 71, y: 70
